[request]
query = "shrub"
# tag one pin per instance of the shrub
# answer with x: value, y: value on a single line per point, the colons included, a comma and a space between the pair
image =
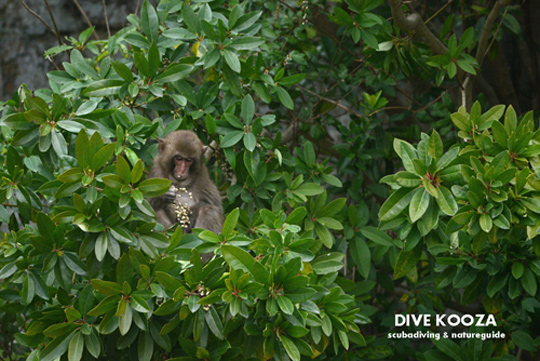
x: 87, y: 272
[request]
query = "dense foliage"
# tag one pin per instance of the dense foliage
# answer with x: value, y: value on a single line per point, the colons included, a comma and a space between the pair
x: 305, y: 106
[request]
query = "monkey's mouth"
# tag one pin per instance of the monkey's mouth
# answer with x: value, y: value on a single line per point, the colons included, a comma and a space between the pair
x: 180, y: 177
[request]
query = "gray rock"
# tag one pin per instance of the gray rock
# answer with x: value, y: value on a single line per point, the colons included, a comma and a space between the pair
x: 24, y: 39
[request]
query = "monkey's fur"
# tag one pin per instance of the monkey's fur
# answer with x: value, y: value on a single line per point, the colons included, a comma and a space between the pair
x: 180, y: 159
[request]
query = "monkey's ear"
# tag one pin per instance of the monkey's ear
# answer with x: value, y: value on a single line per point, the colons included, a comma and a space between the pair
x: 162, y: 145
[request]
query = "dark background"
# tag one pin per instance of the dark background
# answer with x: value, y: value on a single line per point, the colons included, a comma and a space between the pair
x: 24, y: 38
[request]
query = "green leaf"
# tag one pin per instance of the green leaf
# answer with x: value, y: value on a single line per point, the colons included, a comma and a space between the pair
x: 328, y: 263
x: 145, y: 348
x: 86, y: 108
x: 231, y: 138
x: 246, y: 43
x: 395, y: 204
x: 28, y: 290
x: 124, y: 320
x: 449, y: 348
x: 528, y: 281
x: 419, y: 204
x: 248, y: 109
x: 210, y: 123
x: 517, y: 270
x: 149, y: 21
x: 92, y: 344
x: 123, y: 71
x: 250, y: 141
x: 154, y: 58
x: 55, y: 348
x: 290, y: 348
x: 190, y: 18
x: 154, y: 187
x: 170, y: 283
x: 333, y: 208
x: 8, y: 270
x: 102, y: 88
x: 238, y: 258
x: 285, y: 304
x: 461, y: 121
x: 406, y: 261
x: 174, y: 73
x: 214, y: 323
x: 485, y: 222
x: 106, y: 287
x: 435, y: 145
x: 446, y: 201
x: 524, y: 341
x: 309, y: 189
x: 76, y: 346
x: 230, y: 223
x: 284, y: 97
x: 232, y: 60
x: 497, y: 283
x: 330, y: 223
x: 102, y: 156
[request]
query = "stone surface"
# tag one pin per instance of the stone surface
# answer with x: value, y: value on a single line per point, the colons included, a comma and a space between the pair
x: 24, y: 39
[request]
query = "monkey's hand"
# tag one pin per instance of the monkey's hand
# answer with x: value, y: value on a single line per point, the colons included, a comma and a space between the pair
x: 170, y: 196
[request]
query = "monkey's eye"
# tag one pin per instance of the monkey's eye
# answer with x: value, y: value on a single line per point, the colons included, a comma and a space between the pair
x: 179, y: 158
x: 189, y: 160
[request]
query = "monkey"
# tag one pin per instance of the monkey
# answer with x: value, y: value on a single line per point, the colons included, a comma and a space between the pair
x: 193, y: 201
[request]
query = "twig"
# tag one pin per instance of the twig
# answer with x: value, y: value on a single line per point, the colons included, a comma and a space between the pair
x: 336, y: 103
x: 414, y: 111
x: 138, y: 7
x: 81, y: 10
x: 414, y: 22
x: 438, y: 11
x: 106, y: 18
x: 482, y: 49
x: 39, y: 18
x: 54, y: 22
x: 496, y: 31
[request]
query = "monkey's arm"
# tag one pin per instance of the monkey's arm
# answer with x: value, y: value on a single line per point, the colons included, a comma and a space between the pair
x: 163, y: 218
x: 161, y: 204
x: 210, y: 217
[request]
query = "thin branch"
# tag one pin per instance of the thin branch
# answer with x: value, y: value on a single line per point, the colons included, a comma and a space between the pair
x: 81, y: 10
x: 483, y: 48
x: 414, y: 22
x: 439, y: 11
x: 39, y: 18
x: 106, y: 18
x: 54, y: 22
x: 138, y: 7
x: 336, y: 103
x: 497, y: 31
x: 414, y: 111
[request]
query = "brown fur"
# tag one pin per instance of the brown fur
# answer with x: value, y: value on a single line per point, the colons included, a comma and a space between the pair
x: 205, y: 206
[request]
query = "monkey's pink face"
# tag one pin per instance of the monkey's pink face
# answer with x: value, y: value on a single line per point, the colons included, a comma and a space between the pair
x: 181, y: 167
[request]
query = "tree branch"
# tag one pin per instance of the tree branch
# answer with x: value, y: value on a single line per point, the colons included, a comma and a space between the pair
x: 54, y: 22
x: 81, y: 10
x: 106, y: 18
x: 483, y: 48
x: 336, y: 103
x: 42, y: 20
x: 414, y: 22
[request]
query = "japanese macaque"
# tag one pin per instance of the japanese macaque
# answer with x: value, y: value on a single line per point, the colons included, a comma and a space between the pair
x: 193, y: 201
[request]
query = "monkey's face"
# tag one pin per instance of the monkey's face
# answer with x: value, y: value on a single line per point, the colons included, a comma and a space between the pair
x: 181, y: 167
x: 180, y: 154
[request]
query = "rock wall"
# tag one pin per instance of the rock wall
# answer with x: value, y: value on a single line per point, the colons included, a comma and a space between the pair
x: 24, y: 39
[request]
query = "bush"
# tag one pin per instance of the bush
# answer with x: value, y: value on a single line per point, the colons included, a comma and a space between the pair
x: 87, y: 272
x: 300, y: 104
